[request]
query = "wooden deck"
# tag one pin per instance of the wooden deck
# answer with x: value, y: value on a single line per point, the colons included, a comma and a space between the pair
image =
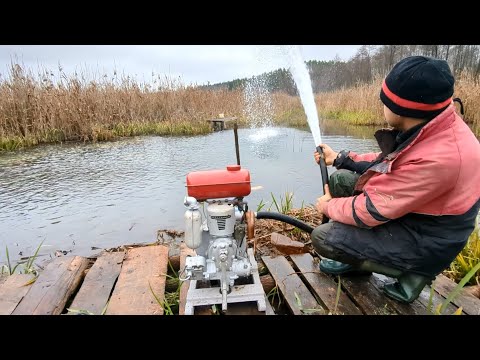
x: 299, y: 280
x: 125, y: 282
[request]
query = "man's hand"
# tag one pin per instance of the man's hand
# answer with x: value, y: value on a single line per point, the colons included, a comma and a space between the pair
x: 328, y: 153
x: 323, y: 200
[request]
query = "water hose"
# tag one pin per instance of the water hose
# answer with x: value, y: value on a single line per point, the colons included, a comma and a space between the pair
x: 286, y: 219
x: 324, y: 172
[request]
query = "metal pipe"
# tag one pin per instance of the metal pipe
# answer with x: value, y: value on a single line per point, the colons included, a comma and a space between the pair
x: 237, y: 148
x: 286, y: 219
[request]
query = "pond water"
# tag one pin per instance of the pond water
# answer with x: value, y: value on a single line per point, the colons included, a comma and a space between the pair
x: 77, y: 196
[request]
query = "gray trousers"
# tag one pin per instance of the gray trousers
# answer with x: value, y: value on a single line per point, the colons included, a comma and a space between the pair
x: 341, y: 184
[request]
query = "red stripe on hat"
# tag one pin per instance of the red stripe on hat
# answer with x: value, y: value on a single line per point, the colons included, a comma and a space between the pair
x: 412, y: 104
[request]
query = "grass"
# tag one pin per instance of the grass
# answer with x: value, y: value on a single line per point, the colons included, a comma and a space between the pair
x: 27, y: 267
x: 339, y: 290
x: 284, y: 205
x: 459, y: 287
x: 467, y: 260
x: 361, y: 105
x: 171, y: 302
x: 440, y: 309
x: 36, y: 109
x: 260, y: 205
x: 274, y: 294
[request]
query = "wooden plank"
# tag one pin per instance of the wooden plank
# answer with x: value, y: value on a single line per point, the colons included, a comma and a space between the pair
x: 53, y: 288
x: 323, y: 286
x: 414, y: 308
x: 184, y: 252
x: 98, y: 284
x: 437, y: 300
x: 469, y: 303
x: 12, y: 292
x: 366, y: 296
x: 142, y: 268
x: 290, y: 284
x: 269, y: 310
x: 3, y: 278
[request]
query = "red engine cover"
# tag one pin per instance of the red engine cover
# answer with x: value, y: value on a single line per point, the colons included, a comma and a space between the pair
x: 214, y: 184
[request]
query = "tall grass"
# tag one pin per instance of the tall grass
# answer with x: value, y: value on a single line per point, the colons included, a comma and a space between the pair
x: 361, y: 105
x: 467, y: 260
x: 36, y: 108
x: 48, y: 107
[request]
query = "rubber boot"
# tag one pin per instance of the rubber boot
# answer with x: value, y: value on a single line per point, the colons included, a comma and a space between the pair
x: 333, y: 267
x: 371, y: 266
x: 407, y: 288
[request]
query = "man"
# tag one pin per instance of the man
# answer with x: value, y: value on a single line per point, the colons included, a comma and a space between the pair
x: 407, y: 211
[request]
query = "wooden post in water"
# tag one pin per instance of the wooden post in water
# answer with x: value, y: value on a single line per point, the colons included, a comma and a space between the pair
x: 237, y: 149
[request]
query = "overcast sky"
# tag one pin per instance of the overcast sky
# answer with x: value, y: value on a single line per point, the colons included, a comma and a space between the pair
x: 195, y: 64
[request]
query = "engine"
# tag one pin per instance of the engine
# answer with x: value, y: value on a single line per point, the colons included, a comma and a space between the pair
x: 215, y: 227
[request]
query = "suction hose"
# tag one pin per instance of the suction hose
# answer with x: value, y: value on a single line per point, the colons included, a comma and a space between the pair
x: 286, y: 219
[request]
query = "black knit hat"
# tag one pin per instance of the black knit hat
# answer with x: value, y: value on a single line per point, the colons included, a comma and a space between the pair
x: 418, y: 87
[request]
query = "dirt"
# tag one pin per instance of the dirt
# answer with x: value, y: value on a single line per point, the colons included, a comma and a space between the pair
x: 265, y: 227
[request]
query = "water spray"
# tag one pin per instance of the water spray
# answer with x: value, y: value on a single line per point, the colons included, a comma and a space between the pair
x: 301, y: 77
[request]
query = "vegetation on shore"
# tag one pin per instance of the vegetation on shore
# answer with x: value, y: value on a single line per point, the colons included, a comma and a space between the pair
x: 36, y: 108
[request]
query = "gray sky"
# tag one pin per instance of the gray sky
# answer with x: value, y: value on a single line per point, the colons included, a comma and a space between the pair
x: 192, y: 63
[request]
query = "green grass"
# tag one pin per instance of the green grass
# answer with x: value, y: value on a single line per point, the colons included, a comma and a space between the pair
x: 467, y: 260
x: 352, y: 117
x: 459, y: 287
x: 171, y: 302
x: 274, y: 294
x: 294, y: 117
x: 161, y: 128
x: 284, y: 205
x: 339, y: 290
x: 102, y: 133
x: 27, y: 267
x: 260, y: 206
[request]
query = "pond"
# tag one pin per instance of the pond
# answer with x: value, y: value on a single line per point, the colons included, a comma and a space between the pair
x: 77, y: 196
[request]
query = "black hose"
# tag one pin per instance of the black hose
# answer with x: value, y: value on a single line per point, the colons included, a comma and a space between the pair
x: 286, y: 219
x: 324, y: 173
x: 323, y: 167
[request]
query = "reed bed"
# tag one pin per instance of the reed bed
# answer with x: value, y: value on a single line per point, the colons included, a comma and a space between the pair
x: 49, y: 107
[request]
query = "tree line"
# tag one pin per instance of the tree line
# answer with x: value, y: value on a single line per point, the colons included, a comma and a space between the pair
x: 369, y: 62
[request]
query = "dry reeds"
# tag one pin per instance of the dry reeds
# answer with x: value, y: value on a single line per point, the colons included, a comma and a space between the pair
x: 38, y: 109
x: 361, y: 105
x: 48, y: 107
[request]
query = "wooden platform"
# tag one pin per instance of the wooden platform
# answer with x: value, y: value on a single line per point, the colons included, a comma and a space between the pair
x: 307, y: 291
x: 116, y: 283
x: 221, y: 123
x: 134, y: 282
